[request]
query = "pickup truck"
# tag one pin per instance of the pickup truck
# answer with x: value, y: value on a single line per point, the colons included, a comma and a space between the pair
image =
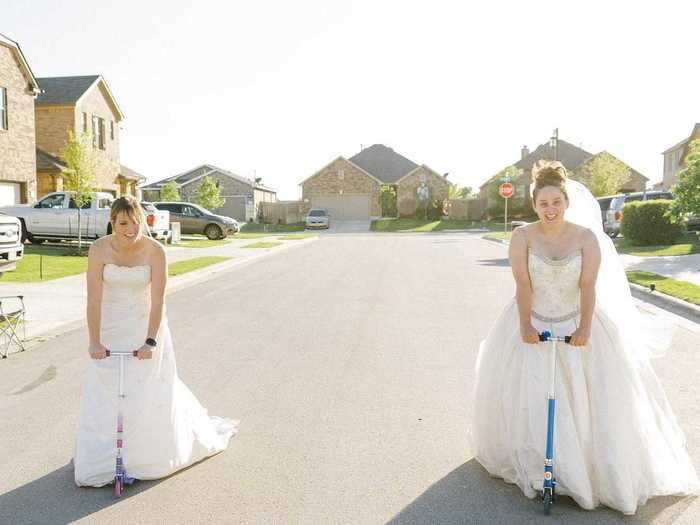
x: 11, y: 247
x: 56, y: 217
x: 158, y: 221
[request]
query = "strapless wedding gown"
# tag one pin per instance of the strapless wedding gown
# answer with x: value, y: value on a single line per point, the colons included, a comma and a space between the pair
x: 616, y: 440
x: 165, y: 427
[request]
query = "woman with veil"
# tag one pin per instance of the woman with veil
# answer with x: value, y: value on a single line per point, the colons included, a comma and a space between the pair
x: 616, y: 440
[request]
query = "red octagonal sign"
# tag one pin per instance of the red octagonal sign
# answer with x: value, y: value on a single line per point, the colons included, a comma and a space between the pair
x: 506, y: 190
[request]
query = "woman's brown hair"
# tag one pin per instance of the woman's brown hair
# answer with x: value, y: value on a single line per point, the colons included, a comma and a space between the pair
x: 549, y: 173
x: 129, y: 205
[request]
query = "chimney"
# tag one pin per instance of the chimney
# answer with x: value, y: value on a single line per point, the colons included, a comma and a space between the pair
x: 524, y: 152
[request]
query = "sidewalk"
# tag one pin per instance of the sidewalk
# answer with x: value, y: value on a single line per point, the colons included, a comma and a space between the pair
x: 56, y: 306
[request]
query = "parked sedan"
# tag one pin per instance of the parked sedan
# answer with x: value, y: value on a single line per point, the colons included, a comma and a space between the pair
x: 195, y: 219
x: 317, y: 218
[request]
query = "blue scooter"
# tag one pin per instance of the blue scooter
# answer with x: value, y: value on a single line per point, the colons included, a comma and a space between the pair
x: 550, y: 482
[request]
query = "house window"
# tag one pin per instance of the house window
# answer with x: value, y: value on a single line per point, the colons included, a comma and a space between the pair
x: 98, y: 132
x: 84, y: 122
x: 111, y: 129
x: 341, y: 174
x: 3, y: 108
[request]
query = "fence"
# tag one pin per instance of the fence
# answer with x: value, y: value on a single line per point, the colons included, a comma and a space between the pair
x: 282, y: 212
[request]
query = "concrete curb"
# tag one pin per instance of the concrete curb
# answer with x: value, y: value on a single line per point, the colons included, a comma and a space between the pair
x: 667, y: 302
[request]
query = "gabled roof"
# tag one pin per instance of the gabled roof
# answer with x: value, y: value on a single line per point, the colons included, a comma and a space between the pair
x: 384, y: 163
x: 47, y: 162
x: 344, y: 160
x: 67, y: 91
x: 24, y: 66
x: 632, y: 170
x: 128, y: 173
x: 684, y: 143
x: 426, y: 168
x: 199, y: 172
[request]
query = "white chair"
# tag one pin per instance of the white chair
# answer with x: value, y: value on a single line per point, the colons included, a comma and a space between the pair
x: 12, y: 314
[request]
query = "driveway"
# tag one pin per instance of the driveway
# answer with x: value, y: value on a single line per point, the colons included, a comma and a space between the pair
x: 347, y: 227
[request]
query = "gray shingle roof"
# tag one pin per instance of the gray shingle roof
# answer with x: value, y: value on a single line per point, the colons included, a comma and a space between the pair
x: 47, y: 162
x: 384, y: 163
x: 130, y: 174
x: 63, y: 90
x: 568, y: 154
x: 205, y: 169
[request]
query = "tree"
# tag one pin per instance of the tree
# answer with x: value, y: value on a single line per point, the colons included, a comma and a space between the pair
x: 604, y: 174
x: 79, y: 179
x: 686, y: 192
x: 170, y: 192
x: 387, y: 199
x: 459, y: 192
x: 208, y: 194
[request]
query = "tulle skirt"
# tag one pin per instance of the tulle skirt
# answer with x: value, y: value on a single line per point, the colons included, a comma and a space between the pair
x: 616, y: 440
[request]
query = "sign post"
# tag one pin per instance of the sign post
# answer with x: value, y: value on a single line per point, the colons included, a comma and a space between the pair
x: 506, y: 190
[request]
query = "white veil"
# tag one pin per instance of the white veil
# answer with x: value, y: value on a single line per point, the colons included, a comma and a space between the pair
x: 643, y: 339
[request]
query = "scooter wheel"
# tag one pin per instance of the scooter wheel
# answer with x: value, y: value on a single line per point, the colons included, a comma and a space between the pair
x: 117, y: 488
x: 547, y: 502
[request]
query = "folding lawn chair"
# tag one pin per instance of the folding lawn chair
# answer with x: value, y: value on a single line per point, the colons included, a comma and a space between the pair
x: 11, y: 320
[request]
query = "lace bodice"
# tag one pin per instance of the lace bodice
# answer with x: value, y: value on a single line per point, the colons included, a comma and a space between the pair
x: 555, y: 286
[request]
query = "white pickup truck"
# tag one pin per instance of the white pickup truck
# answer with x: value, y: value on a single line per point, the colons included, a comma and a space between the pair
x: 11, y: 247
x: 56, y: 217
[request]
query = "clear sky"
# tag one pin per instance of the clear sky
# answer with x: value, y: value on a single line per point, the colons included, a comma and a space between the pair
x: 279, y: 88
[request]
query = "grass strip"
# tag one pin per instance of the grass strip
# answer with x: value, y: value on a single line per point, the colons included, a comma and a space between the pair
x: 263, y: 244
x: 679, y: 289
x: 189, y: 265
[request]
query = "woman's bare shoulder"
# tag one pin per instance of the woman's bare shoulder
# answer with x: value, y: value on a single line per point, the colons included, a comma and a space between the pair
x: 99, y: 248
x: 155, y: 250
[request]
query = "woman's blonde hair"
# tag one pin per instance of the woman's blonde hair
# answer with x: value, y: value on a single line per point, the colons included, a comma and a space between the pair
x: 549, y: 173
x: 129, y: 205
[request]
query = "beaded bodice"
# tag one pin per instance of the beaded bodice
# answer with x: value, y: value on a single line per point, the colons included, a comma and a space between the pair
x: 555, y: 286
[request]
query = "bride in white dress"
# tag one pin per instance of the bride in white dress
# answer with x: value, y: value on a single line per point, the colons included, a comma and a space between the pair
x: 616, y: 440
x: 165, y: 427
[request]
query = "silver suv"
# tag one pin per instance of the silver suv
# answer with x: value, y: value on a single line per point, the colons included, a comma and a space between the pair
x: 613, y: 216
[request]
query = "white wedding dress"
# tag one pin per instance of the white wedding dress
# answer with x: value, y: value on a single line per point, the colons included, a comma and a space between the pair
x: 616, y: 440
x: 165, y: 427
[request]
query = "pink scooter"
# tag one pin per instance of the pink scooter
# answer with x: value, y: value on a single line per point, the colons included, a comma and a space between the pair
x: 120, y: 477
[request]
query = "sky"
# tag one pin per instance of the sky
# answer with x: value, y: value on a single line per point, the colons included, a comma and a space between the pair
x: 277, y: 89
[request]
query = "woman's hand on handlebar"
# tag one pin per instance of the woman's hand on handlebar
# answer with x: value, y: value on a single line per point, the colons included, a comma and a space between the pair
x: 145, y: 352
x: 97, y: 351
x: 529, y: 334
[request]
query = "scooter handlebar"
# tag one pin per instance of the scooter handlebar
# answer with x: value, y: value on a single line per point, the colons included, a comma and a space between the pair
x: 133, y: 353
x: 546, y: 336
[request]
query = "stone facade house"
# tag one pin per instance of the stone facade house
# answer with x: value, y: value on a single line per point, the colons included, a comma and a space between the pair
x: 674, y: 159
x: 243, y: 196
x: 18, y: 89
x: 572, y: 157
x: 349, y: 188
x: 82, y: 104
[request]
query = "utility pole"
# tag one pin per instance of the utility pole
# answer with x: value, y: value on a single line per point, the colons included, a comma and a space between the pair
x: 554, y: 143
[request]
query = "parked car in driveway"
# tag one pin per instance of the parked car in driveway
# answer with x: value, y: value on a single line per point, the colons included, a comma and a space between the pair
x: 614, y: 214
x: 195, y: 219
x: 158, y: 221
x: 317, y: 218
x: 11, y: 246
x: 604, y: 203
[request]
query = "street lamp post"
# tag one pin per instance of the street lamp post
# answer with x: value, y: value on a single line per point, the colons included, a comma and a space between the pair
x: 554, y: 143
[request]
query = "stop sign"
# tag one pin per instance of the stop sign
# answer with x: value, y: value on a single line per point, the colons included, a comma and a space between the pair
x: 506, y: 190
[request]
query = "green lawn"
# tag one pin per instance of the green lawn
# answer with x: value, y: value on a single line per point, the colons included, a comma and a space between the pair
x: 252, y: 235
x: 680, y: 289
x: 419, y: 225
x: 686, y: 245
x: 180, y: 267
x: 252, y: 227
x: 44, y: 263
x: 296, y: 236
x: 263, y: 244
x: 202, y: 243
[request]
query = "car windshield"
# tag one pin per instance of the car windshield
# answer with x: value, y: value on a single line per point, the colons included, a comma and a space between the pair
x: 317, y: 213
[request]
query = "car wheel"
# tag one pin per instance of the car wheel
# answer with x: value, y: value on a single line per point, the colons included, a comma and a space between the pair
x: 213, y: 232
x: 35, y: 240
x: 24, y: 234
x: 613, y: 234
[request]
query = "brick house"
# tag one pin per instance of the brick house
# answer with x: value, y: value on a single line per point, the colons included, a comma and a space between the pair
x: 674, y: 159
x: 18, y: 89
x: 350, y: 188
x: 572, y: 157
x: 81, y: 104
x: 242, y: 196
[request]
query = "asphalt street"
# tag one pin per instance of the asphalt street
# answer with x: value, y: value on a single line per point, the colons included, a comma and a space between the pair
x: 350, y: 363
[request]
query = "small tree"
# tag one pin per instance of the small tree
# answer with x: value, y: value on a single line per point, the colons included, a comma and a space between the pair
x: 81, y: 161
x: 208, y: 194
x: 686, y: 192
x: 604, y: 174
x: 170, y: 192
x: 387, y: 199
x: 459, y: 192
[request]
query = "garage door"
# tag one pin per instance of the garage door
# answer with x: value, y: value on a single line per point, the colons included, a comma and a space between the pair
x: 344, y: 207
x: 10, y: 193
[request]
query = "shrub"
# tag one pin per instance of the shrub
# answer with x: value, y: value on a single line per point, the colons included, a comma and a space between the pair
x: 649, y: 223
x: 387, y: 199
x: 436, y: 209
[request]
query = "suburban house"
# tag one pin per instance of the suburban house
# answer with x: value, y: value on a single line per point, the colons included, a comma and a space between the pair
x: 18, y: 89
x: 243, y: 196
x: 571, y: 156
x: 350, y: 188
x: 674, y: 159
x: 82, y: 104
